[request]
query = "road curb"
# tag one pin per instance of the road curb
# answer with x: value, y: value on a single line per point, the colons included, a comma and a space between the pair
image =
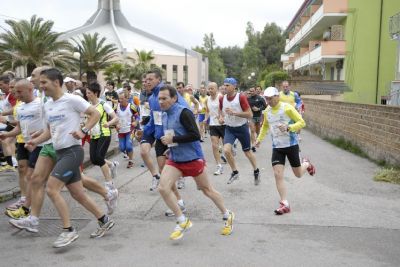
x: 15, y: 192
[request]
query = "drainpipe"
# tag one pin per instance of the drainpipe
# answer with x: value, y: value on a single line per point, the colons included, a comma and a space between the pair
x: 379, y: 54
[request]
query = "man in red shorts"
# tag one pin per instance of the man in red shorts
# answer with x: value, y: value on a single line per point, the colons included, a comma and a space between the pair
x: 186, y: 158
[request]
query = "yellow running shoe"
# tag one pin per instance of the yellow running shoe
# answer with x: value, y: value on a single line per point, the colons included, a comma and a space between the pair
x: 180, y: 228
x: 17, y: 214
x: 228, y: 227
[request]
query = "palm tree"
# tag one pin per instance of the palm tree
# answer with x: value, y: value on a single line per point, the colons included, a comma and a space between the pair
x: 96, y: 55
x: 142, y: 63
x: 118, y: 72
x: 33, y: 43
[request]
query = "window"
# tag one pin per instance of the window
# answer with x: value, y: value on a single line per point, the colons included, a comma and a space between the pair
x: 165, y: 73
x: 174, y: 74
x: 185, y: 74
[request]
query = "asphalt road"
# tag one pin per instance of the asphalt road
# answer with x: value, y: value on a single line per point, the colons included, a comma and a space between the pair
x: 340, y: 217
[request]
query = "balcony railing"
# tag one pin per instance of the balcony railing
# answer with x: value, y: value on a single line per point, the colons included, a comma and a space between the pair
x: 327, y: 9
x: 327, y: 49
x: 394, y: 26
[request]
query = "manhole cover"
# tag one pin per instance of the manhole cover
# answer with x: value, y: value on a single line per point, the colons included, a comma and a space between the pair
x: 48, y: 227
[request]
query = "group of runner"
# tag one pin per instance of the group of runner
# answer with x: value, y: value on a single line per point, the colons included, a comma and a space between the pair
x: 53, y: 126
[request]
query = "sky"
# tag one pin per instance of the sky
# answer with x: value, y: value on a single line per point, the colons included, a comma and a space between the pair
x: 183, y: 22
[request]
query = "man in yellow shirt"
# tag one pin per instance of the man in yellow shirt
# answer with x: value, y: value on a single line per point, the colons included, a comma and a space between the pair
x: 283, y: 121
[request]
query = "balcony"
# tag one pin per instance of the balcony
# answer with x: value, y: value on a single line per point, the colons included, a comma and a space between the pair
x: 326, y: 51
x: 331, y: 12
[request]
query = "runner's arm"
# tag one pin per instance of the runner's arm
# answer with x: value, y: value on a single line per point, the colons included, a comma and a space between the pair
x: 296, y: 117
x: 264, y: 129
x: 188, y: 121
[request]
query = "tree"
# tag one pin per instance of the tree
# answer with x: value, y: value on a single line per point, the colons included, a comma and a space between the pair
x: 232, y: 58
x: 216, y: 69
x: 118, y: 72
x: 96, y: 55
x: 33, y: 43
x: 271, y: 44
x: 142, y: 63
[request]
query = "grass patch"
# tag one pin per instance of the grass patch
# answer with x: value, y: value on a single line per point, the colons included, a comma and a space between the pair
x: 388, y: 173
x: 348, y: 146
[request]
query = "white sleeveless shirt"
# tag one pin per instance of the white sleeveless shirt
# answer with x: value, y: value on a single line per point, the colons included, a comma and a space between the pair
x: 213, y: 110
x: 231, y: 120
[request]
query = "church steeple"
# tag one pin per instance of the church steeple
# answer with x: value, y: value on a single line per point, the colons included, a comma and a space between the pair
x: 109, y: 4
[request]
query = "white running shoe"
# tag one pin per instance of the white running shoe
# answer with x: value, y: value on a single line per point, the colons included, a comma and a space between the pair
x: 181, y: 183
x: 65, y: 238
x: 26, y: 223
x: 220, y: 170
x: 154, y: 183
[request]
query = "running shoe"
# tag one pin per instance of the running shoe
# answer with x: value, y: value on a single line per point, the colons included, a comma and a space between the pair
x: 228, y: 227
x: 112, y: 201
x: 8, y: 168
x: 130, y: 164
x: 311, y: 169
x: 16, y: 205
x: 234, y: 176
x: 181, y: 183
x: 180, y: 228
x: 253, y: 149
x: 125, y: 156
x: 282, y: 209
x: 65, y: 238
x: 224, y: 161
x: 26, y: 224
x: 113, y: 169
x: 103, y: 228
x: 170, y: 213
x: 154, y: 183
x: 219, y: 170
x: 17, y: 214
x: 257, y: 179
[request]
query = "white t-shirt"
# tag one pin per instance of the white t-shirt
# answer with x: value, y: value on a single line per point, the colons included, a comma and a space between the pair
x: 63, y: 117
x: 30, y: 118
x: 213, y: 110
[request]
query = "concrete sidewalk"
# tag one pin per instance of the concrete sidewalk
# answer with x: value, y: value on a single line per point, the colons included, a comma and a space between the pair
x: 9, y: 187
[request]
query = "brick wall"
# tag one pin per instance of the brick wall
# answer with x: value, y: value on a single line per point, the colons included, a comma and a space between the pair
x: 374, y: 128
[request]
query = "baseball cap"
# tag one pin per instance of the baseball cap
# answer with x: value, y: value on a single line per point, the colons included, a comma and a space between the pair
x: 271, y: 91
x: 230, y: 80
x: 68, y: 79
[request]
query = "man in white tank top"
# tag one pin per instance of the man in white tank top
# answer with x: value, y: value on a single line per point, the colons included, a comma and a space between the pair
x: 235, y: 111
x: 217, y: 130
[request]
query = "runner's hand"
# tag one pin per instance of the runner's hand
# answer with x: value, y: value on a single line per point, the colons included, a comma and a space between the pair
x: 78, y: 134
x: 283, y: 127
x: 257, y: 144
x: 2, y: 137
x: 106, y: 125
x: 166, y: 139
x: 30, y: 145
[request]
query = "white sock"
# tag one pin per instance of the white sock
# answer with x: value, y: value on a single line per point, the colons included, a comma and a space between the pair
x: 23, y: 198
x: 34, y: 219
x: 110, y: 184
x: 226, y: 214
x: 285, y: 202
x: 180, y: 202
x: 181, y: 219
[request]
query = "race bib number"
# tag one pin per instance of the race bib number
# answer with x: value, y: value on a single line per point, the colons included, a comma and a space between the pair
x: 157, y: 116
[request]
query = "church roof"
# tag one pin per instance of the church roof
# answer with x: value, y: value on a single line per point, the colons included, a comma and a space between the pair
x: 110, y: 22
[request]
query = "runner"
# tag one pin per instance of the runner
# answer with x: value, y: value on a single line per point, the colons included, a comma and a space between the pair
x: 257, y: 105
x: 235, y: 111
x: 152, y: 133
x: 62, y: 113
x: 100, y: 135
x: 283, y: 121
x: 217, y: 130
x: 185, y: 159
x: 202, y: 112
x: 127, y: 121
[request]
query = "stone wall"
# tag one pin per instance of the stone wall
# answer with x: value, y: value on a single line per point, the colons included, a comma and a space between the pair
x: 374, y: 128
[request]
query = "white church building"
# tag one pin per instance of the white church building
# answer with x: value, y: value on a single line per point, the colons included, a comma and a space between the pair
x: 178, y: 63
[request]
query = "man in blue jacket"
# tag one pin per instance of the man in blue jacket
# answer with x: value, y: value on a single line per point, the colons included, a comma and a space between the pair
x: 185, y: 158
x: 153, y: 131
